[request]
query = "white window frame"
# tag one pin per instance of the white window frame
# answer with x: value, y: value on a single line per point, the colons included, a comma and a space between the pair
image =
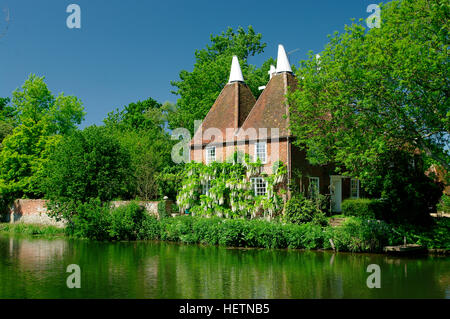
x: 314, y: 178
x: 209, y: 159
x: 256, y: 187
x: 357, y: 188
x: 206, y: 187
x: 257, y: 154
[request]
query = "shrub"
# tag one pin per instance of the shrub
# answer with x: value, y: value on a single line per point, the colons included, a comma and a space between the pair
x: 150, y: 228
x: 444, y: 204
x: 300, y: 209
x: 88, y: 220
x: 357, y: 235
x: 364, y: 208
x: 125, y: 221
x: 87, y: 164
x: 162, y: 210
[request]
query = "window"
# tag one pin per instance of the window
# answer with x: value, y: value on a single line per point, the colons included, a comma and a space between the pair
x: 354, y: 188
x: 210, y: 154
x: 206, y: 187
x: 314, y: 186
x: 261, y: 152
x: 259, y: 185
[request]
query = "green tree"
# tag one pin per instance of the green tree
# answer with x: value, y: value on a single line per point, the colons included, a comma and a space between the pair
x: 39, y: 119
x: 199, y: 89
x: 377, y: 91
x: 86, y: 165
x: 140, y: 129
x: 6, y: 118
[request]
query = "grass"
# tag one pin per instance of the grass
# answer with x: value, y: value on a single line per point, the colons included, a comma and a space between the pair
x: 31, y: 229
x: 337, y: 216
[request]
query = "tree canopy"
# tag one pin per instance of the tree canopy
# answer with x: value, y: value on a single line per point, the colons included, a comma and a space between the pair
x: 6, y: 118
x: 87, y: 164
x: 140, y: 129
x: 199, y: 89
x: 379, y: 90
x: 39, y: 119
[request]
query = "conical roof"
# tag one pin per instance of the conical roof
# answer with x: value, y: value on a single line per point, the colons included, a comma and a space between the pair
x: 235, y: 72
x: 229, y: 111
x: 283, y: 64
x: 271, y: 109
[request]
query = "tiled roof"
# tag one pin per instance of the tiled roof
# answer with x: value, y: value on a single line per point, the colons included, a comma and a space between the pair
x: 271, y: 110
x: 230, y: 110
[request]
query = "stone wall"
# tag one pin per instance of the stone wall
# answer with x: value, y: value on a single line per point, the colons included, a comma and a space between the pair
x: 34, y: 211
x: 30, y: 211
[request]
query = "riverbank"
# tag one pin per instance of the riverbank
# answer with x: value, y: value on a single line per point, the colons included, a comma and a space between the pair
x: 31, y: 229
x: 354, y: 235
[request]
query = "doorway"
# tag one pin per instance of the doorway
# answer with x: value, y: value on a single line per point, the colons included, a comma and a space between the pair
x: 336, y: 193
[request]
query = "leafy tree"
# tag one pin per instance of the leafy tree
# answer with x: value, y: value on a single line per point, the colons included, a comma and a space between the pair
x: 87, y: 164
x: 39, y: 120
x: 199, y: 89
x: 139, y: 127
x: 373, y: 92
x: 145, y: 114
x: 6, y: 118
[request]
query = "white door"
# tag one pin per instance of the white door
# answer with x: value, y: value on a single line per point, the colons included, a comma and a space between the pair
x: 336, y: 193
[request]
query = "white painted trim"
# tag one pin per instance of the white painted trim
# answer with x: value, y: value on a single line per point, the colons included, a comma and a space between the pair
x: 265, y: 152
x: 208, y: 159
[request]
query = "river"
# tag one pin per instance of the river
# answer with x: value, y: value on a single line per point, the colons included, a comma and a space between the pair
x: 36, y: 268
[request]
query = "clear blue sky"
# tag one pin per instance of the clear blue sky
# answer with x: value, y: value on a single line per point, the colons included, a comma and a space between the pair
x: 130, y: 50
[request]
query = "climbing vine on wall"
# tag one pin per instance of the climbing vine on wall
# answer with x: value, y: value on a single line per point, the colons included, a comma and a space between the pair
x: 225, y: 189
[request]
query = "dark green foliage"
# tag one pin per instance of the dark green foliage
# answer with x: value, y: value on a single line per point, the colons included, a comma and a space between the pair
x: 6, y: 118
x: 354, y: 235
x: 126, y: 221
x: 140, y: 129
x: 436, y: 235
x: 409, y: 194
x: 162, y: 210
x: 169, y: 181
x: 87, y: 164
x: 300, y: 209
x: 444, y: 204
x: 87, y: 219
x: 150, y: 228
x: 136, y: 116
x: 235, y: 232
x: 358, y: 235
x: 96, y: 220
x: 364, y: 208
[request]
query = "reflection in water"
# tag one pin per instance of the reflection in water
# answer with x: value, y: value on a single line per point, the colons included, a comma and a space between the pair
x: 36, y: 268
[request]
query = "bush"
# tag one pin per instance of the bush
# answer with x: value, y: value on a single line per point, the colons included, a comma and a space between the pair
x: 87, y: 164
x: 150, y: 228
x: 88, y: 220
x: 96, y: 220
x: 300, y: 209
x: 444, y: 204
x: 364, y: 208
x: 234, y: 232
x: 357, y: 235
x: 162, y: 210
x: 125, y: 221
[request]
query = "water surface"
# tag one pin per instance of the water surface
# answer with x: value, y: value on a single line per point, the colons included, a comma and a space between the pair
x: 36, y: 268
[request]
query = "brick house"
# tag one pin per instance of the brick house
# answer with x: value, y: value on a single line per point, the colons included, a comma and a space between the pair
x: 260, y: 128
